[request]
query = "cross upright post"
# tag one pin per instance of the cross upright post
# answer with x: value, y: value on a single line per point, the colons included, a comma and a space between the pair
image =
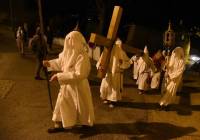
x: 107, y: 42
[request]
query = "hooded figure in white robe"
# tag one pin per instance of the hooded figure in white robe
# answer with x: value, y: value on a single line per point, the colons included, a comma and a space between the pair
x: 174, y: 72
x: 145, y: 71
x: 112, y: 85
x: 74, y: 104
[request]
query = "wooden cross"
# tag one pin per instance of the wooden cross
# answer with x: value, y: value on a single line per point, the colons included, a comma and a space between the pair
x: 108, y: 41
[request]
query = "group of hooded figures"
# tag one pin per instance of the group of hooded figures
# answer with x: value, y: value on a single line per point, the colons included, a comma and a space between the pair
x: 74, y: 106
x: 163, y: 71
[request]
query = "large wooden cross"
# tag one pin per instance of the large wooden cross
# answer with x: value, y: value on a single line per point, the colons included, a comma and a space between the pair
x: 107, y: 42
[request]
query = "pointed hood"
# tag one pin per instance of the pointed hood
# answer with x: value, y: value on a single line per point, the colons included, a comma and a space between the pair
x: 146, y: 50
x: 147, y: 59
x: 76, y: 28
x: 74, y: 45
x: 177, y: 55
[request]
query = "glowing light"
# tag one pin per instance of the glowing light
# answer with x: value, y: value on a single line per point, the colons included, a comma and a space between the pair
x: 194, y: 57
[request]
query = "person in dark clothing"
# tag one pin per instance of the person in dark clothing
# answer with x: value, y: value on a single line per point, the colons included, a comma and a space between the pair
x: 49, y: 34
x: 38, y: 44
x: 25, y: 30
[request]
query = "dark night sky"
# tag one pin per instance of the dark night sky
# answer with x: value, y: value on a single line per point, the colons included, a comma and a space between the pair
x: 154, y: 13
x: 149, y: 13
x: 144, y: 10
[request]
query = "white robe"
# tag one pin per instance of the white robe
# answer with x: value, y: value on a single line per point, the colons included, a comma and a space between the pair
x: 112, y: 85
x: 144, y: 75
x: 134, y: 61
x: 155, y: 81
x: 74, y: 103
x: 173, y: 76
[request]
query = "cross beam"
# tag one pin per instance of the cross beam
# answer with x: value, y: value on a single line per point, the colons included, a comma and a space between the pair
x: 131, y: 49
x: 100, y: 40
x: 108, y: 42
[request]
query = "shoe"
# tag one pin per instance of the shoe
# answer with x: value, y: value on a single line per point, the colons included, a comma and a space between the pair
x: 167, y: 108
x: 38, y: 78
x: 111, y: 105
x: 140, y: 92
x: 86, y: 127
x: 105, y: 102
x: 160, y: 108
x: 164, y: 108
x: 55, y: 130
x: 49, y: 72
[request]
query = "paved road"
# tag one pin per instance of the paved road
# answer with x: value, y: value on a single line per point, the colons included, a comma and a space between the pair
x: 25, y: 111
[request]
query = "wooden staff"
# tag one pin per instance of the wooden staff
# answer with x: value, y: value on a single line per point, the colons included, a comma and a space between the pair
x: 45, y: 69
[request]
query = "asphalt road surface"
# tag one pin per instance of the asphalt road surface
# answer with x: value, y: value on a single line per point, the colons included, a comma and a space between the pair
x: 25, y: 112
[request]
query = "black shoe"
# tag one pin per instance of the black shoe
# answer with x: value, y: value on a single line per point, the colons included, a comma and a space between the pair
x: 86, y: 127
x: 55, y: 130
x: 166, y: 108
x: 161, y: 108
x: 49, y: 72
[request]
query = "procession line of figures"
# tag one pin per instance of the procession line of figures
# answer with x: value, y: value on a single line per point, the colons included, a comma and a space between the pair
x: 22, y: 37
x: 74, y: 104
x: 40, y: 44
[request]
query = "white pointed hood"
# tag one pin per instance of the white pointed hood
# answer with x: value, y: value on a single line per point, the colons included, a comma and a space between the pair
x: 177, y: 55
x: 74, y: 45
x: 146, y: 50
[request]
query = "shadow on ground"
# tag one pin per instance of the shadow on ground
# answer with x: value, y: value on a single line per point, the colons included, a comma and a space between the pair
x: 181, y: 109
x: 138, y: 130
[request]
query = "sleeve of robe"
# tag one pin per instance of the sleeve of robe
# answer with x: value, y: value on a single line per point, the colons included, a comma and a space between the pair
x: 133, y: 58
x: 82, y: 69
x: 179, y: 70
x: 98, y: 62
x: 55, y: 64
x: 141, y: 65
x: 126, y: 61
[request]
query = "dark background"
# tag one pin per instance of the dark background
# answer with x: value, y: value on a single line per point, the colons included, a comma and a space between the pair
x: 151, y: 13
x: 150, y: 16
